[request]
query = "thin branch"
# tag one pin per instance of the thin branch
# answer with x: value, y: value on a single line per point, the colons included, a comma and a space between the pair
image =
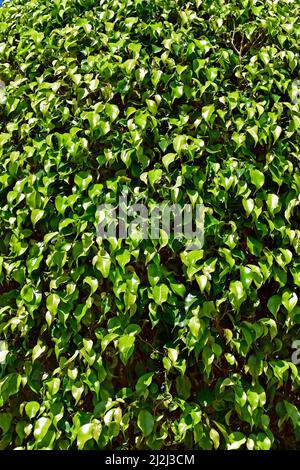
x: 150, y: 345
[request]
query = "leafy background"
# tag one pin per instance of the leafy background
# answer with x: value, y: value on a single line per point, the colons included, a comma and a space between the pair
x: 139, y: 343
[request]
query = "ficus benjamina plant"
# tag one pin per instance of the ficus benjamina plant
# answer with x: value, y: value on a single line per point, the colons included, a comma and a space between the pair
x: 139, y: 343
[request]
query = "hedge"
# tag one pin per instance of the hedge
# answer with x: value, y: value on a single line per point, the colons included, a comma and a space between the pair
x: 143, y: 344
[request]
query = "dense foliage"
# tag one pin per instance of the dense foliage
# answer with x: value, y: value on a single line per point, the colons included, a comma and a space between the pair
x: 134, y: 343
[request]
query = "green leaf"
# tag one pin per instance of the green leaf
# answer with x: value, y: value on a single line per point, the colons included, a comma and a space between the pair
x: 215, y: 437
x: 183, y: 387
x: 93, y: 119
x: 53, y: 301
x: 255, y: 366
x: 257, y: 178
x: 112, y: 111
x: 236, y: 440
x: 92, y: 282
x: 160, y: 293
x: 129, y: 65
x: 155, y: 176
x: 248, y: 206
x: 104, y: 127
x: 32, y: 408
x: 168, y: 159
x: 152, y: 106
x: 237, y: 293
x: 180, y: 143
x: 9, y: 386
x: 36, y: 215
x: 41, y: 428
x: 207, y: 112
x: 53, y: 386
x: 273, y: 203
x: 77, y: 390
x: 5, y: 422
x: 276, y: 132
x: 144, y: 382
x: 145, y: 422
x: 126, y: 347
x: 103, y: 264
x: 253, y: 131
x: 82, y: 180
x: 289, y: 300
x: 195, y: 326
x: 85, y: 433
x: 274, y: 303
x: 255, y: 246
x: 178, y: 289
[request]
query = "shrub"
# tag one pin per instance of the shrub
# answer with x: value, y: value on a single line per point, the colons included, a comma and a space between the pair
x: 126, y: 344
